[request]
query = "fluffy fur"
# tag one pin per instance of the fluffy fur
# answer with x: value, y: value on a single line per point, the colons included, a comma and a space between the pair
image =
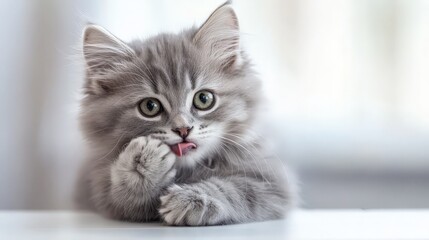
x: 132, y: 174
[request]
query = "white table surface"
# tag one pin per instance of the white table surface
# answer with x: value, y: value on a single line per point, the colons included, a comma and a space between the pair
x: 301, y: 224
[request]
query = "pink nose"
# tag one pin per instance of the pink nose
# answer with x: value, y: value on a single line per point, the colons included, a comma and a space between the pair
x: 183, y: 132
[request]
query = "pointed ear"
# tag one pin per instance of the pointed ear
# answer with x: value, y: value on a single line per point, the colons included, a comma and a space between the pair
x: 219, y: 35
x: 102, y: 49
x: 102, y: 52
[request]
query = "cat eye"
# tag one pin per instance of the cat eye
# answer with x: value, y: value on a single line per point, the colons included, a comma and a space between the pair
x: 204, y: 100
x: 150, y: 107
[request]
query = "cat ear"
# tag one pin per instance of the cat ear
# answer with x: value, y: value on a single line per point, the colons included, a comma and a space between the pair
x: 102, y: 49
x: 219, y: 35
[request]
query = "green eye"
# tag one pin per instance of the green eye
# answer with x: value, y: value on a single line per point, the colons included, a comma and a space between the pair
x: 150, y: 107
x: 204, y: 100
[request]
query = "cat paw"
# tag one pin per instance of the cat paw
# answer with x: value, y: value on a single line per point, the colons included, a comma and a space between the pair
x: 148, y: 157
x: 189, y: 205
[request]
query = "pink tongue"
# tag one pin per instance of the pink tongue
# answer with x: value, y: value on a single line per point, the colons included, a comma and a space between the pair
x: 181, y: 149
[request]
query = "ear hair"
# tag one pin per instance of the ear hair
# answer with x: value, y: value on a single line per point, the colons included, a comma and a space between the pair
x: 100, y: 47
x: 103, y: 52
x: 219, y: 35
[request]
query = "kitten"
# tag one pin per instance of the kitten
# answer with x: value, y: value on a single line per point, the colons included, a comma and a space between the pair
x: 170, y: 123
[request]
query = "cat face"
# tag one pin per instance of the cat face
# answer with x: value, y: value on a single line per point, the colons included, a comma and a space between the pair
x: 194, y: 91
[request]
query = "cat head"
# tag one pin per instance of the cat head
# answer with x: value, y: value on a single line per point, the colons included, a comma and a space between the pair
x: 194, y: 90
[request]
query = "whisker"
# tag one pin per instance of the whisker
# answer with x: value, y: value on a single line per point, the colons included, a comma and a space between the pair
x: 113, y: 148
x: 259, y: 151
x: 250, y: 154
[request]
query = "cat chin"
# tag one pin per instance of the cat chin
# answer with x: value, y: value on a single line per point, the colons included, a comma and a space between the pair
x: 189, y: 160
x: 185, y: 162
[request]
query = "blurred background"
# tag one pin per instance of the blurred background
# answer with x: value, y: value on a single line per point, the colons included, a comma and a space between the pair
x: 347, y: 83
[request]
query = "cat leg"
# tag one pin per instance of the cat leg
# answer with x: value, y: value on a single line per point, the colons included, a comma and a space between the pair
x: 217, y: 200
x: 137, y: 177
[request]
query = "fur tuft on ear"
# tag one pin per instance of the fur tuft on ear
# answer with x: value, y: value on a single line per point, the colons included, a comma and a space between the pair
x: 101, y: 48
x: 219, y: 35
x: 103, y: 52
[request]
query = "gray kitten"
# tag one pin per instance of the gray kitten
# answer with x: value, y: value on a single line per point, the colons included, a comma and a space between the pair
x: 170, y: 122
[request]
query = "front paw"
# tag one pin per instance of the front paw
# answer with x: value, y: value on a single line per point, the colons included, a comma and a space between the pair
x: 148, y: 157
x: 189, y: 205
